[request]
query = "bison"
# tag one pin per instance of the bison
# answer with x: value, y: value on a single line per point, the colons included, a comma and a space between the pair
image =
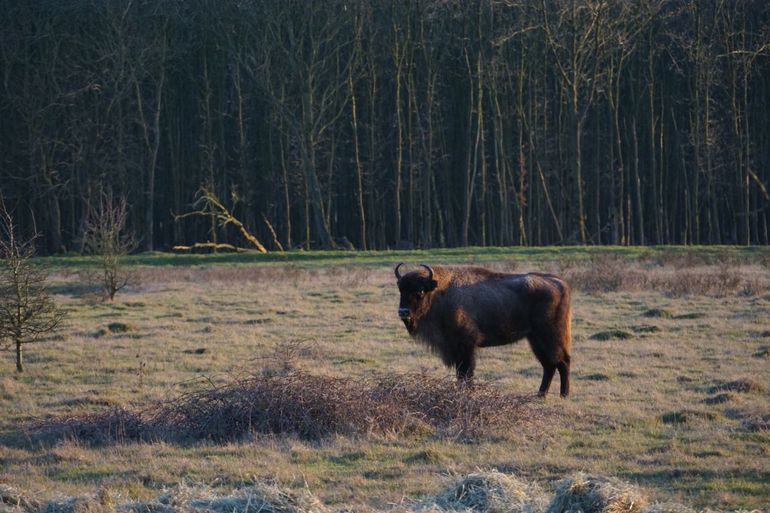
x: 455, y: 310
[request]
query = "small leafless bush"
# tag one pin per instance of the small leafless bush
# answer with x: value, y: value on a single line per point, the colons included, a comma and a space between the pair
x: 28, y: 314
x: 708, y: 281
x: 106, y: 236
x: 311, y: 407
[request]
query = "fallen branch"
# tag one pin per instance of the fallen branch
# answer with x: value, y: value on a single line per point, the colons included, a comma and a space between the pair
x: 208, y: 247
x: 208, y: 204
x: 272, y: 232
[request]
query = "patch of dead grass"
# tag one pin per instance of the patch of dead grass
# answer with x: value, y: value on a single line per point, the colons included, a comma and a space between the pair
x: 491, y: 492
x: 686, y: 276
x: 585, y: 493
x: 478, y: 492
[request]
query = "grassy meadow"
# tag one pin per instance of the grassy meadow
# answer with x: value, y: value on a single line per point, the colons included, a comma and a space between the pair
x: 671, y: 376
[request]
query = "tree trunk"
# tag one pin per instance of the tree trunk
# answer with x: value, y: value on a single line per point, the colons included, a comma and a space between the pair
x: 19, y: 356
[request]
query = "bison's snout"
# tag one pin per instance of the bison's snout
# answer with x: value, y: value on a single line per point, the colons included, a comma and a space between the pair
x: 403, y: 313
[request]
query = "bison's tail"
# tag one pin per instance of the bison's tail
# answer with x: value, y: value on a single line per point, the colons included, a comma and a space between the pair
x: 564, y: 314
x: 565, y: 311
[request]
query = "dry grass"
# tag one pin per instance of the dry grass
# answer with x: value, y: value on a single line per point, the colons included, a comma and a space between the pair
x: 583, y: 493
x: 679, y: 406
x: 479, y: 492
x: 491, y: 492
x: 308, y: 406
x: 683, y: 275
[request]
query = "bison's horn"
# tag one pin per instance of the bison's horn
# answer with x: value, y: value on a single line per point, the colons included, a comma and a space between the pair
x: 398, y: 274
x: 430, y: 271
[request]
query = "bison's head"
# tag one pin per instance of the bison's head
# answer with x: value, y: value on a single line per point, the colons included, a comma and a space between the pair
x: 415, y: 288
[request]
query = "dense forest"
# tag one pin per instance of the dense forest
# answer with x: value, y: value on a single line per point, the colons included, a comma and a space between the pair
x: 400, y: 123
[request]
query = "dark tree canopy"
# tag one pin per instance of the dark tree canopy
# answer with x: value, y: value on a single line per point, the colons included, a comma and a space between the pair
x: 380, y: 124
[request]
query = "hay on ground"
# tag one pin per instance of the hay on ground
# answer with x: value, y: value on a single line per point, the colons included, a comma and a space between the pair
x: 583, y: 493
x: 261, y: 498
x: 12, y: 500
x: 491, y: 492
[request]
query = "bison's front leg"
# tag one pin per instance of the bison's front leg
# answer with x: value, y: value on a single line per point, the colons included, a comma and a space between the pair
x: 466, y: 337
x: 465, y: 368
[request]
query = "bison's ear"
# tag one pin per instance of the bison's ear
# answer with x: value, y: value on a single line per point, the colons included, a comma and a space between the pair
x: 432, y: 284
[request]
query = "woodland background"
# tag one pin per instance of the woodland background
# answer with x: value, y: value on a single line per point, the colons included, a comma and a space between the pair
x: 376, y: 124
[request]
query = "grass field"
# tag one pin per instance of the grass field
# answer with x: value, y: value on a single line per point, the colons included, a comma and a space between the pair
x: 671, y: 386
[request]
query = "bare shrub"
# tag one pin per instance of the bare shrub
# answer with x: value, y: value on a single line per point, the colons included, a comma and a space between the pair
x: 310, y: 407
x: 106, y: 236
x: 678, y: 274
x: 27, y: 312
x: 564, y: 265
x: 725, y: 280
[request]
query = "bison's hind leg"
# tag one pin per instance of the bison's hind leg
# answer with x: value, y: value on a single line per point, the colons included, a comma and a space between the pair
x: 552, y: 356
x: 563, y: 367
x: 548, y: 372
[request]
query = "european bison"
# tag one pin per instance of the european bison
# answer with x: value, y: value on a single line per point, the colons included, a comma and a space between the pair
x: 455, y: 310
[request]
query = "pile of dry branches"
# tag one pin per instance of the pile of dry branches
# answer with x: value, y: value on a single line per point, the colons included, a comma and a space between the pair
x: 311, y: 407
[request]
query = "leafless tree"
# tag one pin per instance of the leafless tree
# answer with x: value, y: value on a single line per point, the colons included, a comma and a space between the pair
x: 106, y: 236
x: 27, y: 312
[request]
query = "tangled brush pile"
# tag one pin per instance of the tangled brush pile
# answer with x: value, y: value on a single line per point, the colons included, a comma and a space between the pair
x: 308, y: 406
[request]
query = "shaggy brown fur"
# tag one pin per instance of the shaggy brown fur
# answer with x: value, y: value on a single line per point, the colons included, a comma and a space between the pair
x: 455, y: 310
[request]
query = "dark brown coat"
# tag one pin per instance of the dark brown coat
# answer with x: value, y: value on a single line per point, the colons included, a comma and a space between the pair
x: 456, y: 310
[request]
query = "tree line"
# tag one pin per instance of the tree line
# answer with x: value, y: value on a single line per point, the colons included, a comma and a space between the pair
x: 376, y: 124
